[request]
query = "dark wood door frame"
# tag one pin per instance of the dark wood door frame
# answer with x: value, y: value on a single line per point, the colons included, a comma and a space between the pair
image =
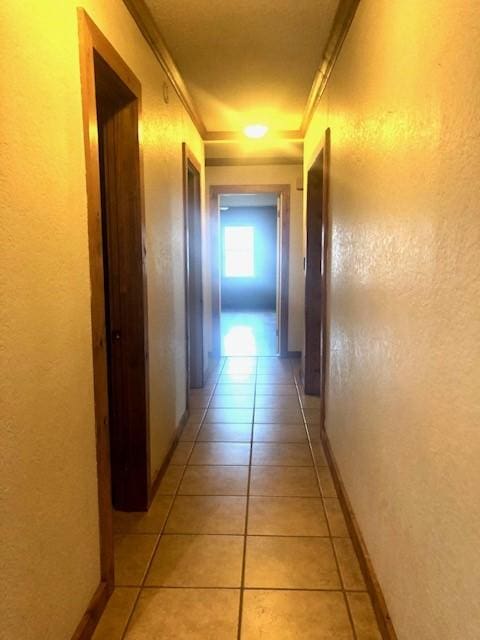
x: 283, y: 192
x: 97, y: 53
x: 316, y: 265
x: 193, y: 269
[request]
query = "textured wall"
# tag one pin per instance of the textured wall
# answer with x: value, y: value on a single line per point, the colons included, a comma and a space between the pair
x: 48, y: 515
x: 403, y: 401
x: 278, y: 174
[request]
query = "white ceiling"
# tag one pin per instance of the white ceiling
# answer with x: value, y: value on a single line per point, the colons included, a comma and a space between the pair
x: 246, y: 61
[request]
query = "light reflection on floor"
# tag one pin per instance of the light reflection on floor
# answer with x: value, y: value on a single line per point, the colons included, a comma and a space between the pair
x: 251, y: 333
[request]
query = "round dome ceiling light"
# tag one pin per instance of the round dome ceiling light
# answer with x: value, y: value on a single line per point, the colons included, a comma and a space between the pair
x: 255, y: 131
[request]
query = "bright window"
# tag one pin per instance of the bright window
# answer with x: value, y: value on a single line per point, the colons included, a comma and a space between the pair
x: 239, y: 252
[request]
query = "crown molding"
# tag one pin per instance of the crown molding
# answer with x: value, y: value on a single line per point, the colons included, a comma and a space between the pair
x: 341, y: 24
x: 146, y: 23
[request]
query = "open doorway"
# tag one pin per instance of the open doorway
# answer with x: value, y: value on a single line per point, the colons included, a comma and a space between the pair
x: 248, y: 280
x: 315, y: 350
x: 250, y: 240
x: 193, y: 270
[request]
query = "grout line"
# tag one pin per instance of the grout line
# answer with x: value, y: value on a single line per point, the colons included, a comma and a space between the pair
x: 314, y: 590
x: 331, y: 537
x: 174, y: 497
x: 252, y: 495
x: 242, y: 582
x: 241, y: 535
x: 211, y: 533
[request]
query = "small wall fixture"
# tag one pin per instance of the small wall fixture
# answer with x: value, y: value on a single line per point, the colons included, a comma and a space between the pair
x: 255, y: 130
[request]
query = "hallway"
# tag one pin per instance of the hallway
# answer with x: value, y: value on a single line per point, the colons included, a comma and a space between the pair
x: 317, y: 163
x: 245, y: 537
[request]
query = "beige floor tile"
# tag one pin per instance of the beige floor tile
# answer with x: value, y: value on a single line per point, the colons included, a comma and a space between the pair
x: 214, y: 480
x: 196, y: 416
x: 312, y: 416
x: 326, y: 483
x: 185, y: 614
x: 150, y: 521
x: 283, y: 481
x: 286, y: 517
x: 273, y: 369
x: 281, y: 454
x: 170, y: 481
x: 212, y: 378
x: 310, y: 402
x: 132, y: 555
x: 197, y: 561
x: 115, y: 617
x: 182, y: 453
x: 232, y: 402
x: 314, y: 432
x: 237, y: 378
x: 292, y: 615
x: 218, y: 414
x: 240, y: 364
x: 226, y: 389
x: 207, y: 514
x: 189, y: 432
x: 200, y: 401
x: 275, y: 378
x: 279, y: 433
x: 206, y: 390
x: 225, y: 433
x: 350, y: 571
x: 236, y: 368
x: 280, y: 390
x: 290, y: 563
x: 273, y: 363
x: 222, y: 453
x: 335, y: 517
x: 297, y: 372
x: 363, y: 616
x: 277, y: 402
x: 318, y: 452
x: 278, y: 416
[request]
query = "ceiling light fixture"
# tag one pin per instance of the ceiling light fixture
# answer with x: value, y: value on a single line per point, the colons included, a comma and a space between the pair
x: 255, y: 130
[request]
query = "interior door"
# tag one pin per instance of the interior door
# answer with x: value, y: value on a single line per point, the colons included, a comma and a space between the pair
x: 313, y: 279
x: 316, y: 353
x: 279, y: 270
x: 194, y: 280
x: 124, y: 286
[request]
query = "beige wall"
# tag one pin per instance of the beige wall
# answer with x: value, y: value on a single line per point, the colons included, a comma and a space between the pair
x: 275, y: 174
x: 48, y: 515
x: 403, y: 401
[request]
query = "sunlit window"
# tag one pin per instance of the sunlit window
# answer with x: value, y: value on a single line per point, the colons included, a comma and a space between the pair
x: 239, y: 252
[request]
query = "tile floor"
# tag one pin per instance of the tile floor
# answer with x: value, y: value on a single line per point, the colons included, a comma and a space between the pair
x: 249, y: 333
x: 245, y: 538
